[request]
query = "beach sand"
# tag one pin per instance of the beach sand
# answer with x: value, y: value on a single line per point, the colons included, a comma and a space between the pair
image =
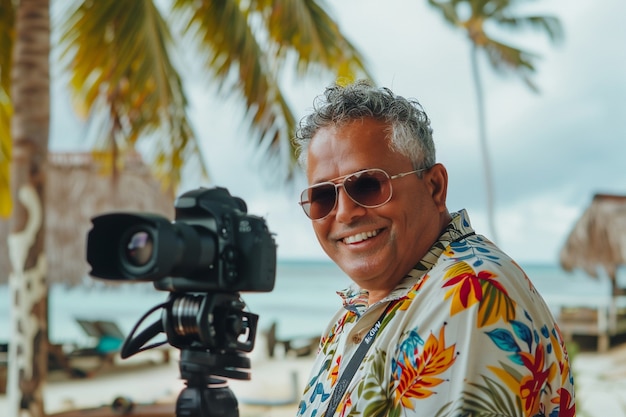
x: 600, y: 380
x: 273, y: 390
x: 275, y: 384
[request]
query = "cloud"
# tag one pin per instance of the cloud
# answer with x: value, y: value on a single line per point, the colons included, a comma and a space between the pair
x: 551, y: 151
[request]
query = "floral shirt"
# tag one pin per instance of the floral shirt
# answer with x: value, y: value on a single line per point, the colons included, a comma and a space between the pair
x: 466, y: 334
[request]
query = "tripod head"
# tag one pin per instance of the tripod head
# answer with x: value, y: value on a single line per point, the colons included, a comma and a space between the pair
x: 213, y: 333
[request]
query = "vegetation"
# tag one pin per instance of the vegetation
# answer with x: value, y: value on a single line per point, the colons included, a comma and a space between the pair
x: 121, y: 57
x: 479, y: 19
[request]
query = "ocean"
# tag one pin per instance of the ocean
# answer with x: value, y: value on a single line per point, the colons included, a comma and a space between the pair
x: 301, y: 303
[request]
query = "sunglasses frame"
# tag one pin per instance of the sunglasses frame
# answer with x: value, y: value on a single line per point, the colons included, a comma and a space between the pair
x: 340, y: 182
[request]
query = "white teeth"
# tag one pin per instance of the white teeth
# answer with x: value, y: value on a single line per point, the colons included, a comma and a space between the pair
x: 359, y: 237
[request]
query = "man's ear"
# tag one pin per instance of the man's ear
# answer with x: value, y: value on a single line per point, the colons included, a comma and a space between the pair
x: 437, y: 182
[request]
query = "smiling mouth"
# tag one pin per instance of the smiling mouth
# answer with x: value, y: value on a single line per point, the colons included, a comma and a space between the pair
x: 360, y: 237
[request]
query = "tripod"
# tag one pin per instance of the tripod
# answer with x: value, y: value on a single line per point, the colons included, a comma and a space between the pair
x: 206, y: 395
x: 212, y: 332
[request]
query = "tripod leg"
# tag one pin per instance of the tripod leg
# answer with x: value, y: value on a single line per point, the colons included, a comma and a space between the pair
x: 207, y: 402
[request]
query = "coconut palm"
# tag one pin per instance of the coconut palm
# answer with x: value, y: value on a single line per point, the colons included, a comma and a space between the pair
x: 124, y: 76
x: 5, y: 153
x: 7, y: 15
x: 28, y: 85
x: 475, y: 17
x: 122, y: 58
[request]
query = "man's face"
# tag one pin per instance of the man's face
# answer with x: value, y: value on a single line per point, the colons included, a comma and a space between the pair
x: 376, y: 247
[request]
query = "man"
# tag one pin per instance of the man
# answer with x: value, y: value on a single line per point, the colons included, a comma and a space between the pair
x: 439, y: 320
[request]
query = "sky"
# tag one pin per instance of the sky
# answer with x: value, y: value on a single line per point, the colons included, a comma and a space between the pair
x: 551, y: 152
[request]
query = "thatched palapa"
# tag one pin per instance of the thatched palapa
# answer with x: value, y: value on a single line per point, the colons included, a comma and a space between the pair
x: 78, y: 189
x: 598, y: 239
x: 598, y: 242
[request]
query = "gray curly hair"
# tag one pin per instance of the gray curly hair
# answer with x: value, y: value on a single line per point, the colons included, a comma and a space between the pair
x: 410, y: 130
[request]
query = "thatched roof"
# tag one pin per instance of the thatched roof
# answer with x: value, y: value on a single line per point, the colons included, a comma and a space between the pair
x: 598, y: 240
x: 77, y: 190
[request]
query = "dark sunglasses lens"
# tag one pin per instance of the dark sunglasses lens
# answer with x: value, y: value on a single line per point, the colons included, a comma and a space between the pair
x: 321, y: 200
x: 369, y: 188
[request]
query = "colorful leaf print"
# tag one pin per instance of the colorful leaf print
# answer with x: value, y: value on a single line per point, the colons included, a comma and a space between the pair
x: 490, y: 399
x: 567, y: 406
x: 496, y: 305
x: 532, y: 385
x: 329, y: 339
x: 372, y: 388
x: 334, y: 371
x: 416, y: 377
x: 466, y: 249
x: 467, y: 288
x: 504, y: 340
x: 561, y: 354
x: 319, y: 390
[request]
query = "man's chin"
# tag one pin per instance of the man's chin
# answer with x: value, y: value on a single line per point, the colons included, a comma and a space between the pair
x: 361, y: 270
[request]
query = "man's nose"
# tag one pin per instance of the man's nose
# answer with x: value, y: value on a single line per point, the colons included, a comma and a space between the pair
x: 346, y: 209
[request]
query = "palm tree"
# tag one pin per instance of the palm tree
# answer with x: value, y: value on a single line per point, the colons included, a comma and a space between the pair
x: 30, y: 98
x: 475, y: 17
x: 120, y: 57
x: 245, y: 45
x: 7, y: 15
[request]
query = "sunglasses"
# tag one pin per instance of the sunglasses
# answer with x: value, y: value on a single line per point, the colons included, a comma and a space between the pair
x: 368, y: 188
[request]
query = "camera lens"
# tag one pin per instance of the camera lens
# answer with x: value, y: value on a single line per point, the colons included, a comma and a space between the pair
x: 139, y: 248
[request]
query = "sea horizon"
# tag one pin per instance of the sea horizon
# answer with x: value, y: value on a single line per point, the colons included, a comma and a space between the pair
x: 302, y: 302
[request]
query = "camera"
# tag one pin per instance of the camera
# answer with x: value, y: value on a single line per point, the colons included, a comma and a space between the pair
x: 210, y: 252
x: 213, y: 245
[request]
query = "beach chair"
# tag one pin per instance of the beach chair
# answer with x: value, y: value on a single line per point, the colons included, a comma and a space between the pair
x: 107, y: 339
x: 107, y: 335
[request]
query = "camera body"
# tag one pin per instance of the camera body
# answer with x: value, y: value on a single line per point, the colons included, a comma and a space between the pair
x: 213, y: 245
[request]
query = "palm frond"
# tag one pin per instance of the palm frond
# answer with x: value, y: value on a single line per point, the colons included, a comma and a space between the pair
x: 7, y: 33
x: 246, y: 45
x: 5, y: 154
x: 505, y: 57
x: 304, y: 27
x: 502, y: 57
x: 119, y: 52
x: 548, y: 24
x: 448, y: 10
x: 233, y: 52
x: 7, y: 30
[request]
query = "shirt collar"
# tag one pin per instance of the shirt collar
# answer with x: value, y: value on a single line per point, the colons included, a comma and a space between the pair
x: 355, y: 299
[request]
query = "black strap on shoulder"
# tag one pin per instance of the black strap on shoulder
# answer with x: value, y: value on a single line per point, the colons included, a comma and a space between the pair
x: 353, y: 365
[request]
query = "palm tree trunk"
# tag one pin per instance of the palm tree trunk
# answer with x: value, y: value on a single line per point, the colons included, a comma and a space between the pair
x: 30, y: 94
x: 484, y: 146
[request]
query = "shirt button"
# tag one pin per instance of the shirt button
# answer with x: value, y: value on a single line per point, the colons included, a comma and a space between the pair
x: 356, y: 339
